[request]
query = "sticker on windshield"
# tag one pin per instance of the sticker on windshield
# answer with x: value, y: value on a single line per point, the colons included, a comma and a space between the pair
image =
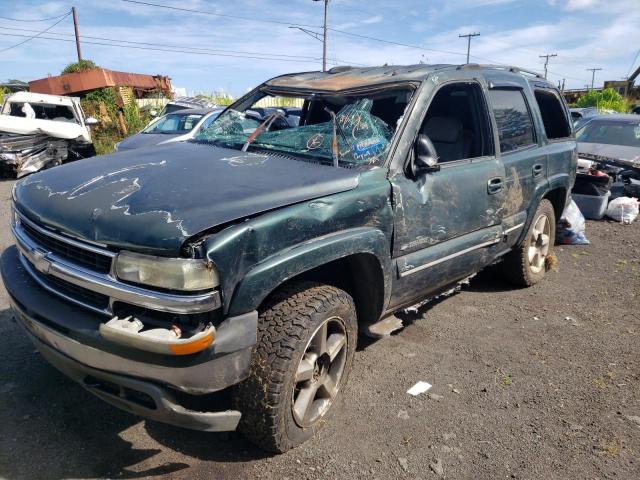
x: 315, y: 141
x: 369, y: 147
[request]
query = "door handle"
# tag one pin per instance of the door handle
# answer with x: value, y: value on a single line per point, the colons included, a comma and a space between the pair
x: 494, y: 185
x: 537, y: 170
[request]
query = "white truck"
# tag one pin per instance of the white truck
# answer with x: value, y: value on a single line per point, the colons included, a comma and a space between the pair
x: 40, y: 131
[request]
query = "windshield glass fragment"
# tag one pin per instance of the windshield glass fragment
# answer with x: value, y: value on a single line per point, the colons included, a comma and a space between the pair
x: 304, y: 126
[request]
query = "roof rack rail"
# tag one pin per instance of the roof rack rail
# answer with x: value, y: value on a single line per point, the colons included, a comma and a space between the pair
x: 501, y: 67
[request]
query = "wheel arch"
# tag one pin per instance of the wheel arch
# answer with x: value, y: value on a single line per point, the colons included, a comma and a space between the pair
x: 558, y: 198
x: 356, y: 261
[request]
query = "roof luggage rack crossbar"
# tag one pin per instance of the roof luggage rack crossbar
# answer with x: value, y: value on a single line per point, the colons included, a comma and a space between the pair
x: 511, y: 68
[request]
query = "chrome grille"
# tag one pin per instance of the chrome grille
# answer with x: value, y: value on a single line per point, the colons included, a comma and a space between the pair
x: 79, y: 294
x: 78, y: 255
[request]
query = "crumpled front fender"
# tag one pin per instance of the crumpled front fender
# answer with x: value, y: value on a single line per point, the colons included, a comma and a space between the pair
x: 266, y: 276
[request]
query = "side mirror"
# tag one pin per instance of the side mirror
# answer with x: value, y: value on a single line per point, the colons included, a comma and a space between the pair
x: 425, y: 158
x: 91, y: 121
x: 153, y: 113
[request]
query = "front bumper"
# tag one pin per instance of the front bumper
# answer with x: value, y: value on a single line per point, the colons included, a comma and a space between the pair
x: 68, y: 337
x: 137, y: 396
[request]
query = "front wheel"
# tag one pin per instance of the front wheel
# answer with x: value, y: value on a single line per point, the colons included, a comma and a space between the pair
x: 527, y: 263
x: 306, y: 342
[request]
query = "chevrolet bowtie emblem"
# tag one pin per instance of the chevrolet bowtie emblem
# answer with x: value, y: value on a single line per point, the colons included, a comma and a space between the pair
x: 40, y: 261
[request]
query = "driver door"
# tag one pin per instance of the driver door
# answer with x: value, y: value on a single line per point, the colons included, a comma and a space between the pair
x: 447, y: 222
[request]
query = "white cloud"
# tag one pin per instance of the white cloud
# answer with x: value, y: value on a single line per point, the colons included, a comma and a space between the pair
x: 573, y: 5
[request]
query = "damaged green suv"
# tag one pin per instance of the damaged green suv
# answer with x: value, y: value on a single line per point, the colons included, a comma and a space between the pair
x: 221, y: 283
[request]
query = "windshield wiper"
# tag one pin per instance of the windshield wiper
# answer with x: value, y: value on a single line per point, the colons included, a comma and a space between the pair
x: 265, y: 125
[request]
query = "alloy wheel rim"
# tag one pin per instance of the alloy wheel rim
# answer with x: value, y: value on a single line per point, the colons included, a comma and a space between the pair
x: 539, y: 244
x: 319, y: 373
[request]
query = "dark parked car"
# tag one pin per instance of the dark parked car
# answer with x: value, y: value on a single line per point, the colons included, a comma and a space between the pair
x: 613, y: 142
x: 223, y: 282
x: 173, y: 127
x: 184, y: 103
x: 581, y: 116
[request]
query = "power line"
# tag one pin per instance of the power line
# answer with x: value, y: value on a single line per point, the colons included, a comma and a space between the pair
x: 343, y: 32
x: 278, y: 22
x: 256, y: 57
x: 36, y: 35
x: 215, y: 14
x: 155, y: 44
x: 35, y: 20
x: 633, y: 63
x: 418, y: 47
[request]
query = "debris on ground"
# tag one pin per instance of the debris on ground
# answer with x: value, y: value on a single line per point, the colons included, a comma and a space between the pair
x: 419, y: 388
x: 384, y: 327
x: 634, y: 418
x: 571, y: 226
x: 404, y: 463
x: 402, y: 414
x: 623, y: 209
x: 436, y: 467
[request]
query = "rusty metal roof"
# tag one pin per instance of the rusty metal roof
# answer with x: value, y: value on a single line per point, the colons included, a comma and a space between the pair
x: 99, y: 78
x: 345, y: 78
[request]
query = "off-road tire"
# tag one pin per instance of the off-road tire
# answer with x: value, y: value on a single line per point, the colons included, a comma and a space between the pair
x: 516, y: 266
x: 286, y: 325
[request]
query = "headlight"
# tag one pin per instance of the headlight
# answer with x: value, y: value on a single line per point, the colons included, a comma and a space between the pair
x: 171, y: 273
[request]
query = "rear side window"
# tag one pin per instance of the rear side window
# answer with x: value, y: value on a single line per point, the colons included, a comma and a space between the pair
x: 554, y: 118
x: 515, y: 126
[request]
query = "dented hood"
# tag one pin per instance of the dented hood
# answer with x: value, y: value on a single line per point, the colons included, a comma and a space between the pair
x: 153, y: 199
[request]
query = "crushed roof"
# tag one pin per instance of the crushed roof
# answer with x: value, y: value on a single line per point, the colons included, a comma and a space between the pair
x: 341, y: 78
x: 344, y: 78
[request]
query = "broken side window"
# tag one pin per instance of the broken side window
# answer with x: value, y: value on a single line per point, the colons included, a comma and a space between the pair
x: 554, y: 117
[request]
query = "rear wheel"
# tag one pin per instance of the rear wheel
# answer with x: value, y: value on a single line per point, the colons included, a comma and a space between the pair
x: 306, y: 341
x: 527, y: 263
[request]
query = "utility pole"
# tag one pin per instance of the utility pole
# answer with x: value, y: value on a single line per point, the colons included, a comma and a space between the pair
x: 469, y: 35
x: 546, y: 61
x: 593, y: 74
x: 75, y: 27
x: 324, y: 34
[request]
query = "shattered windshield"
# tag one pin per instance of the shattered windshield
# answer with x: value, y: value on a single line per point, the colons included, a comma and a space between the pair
x: 344, y: 129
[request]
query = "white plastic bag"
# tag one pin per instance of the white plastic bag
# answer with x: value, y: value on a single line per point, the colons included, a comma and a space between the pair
x: 571, y: 226
x: 623, y: 209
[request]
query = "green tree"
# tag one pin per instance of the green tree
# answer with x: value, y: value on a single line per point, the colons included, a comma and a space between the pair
x: 80, y: 66
x: 607, y: 99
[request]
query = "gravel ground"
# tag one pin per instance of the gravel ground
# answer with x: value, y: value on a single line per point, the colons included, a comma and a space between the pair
x: 540, y: 383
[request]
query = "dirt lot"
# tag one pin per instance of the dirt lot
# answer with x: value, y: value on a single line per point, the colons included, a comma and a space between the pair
x: 542, y: 383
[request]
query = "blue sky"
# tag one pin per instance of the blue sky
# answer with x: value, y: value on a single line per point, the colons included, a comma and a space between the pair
x: 583, y: 33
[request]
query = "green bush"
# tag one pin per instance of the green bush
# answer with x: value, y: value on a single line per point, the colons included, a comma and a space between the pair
x: 607, y: 99
x: 80, y: 66
x: 107, y: 133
